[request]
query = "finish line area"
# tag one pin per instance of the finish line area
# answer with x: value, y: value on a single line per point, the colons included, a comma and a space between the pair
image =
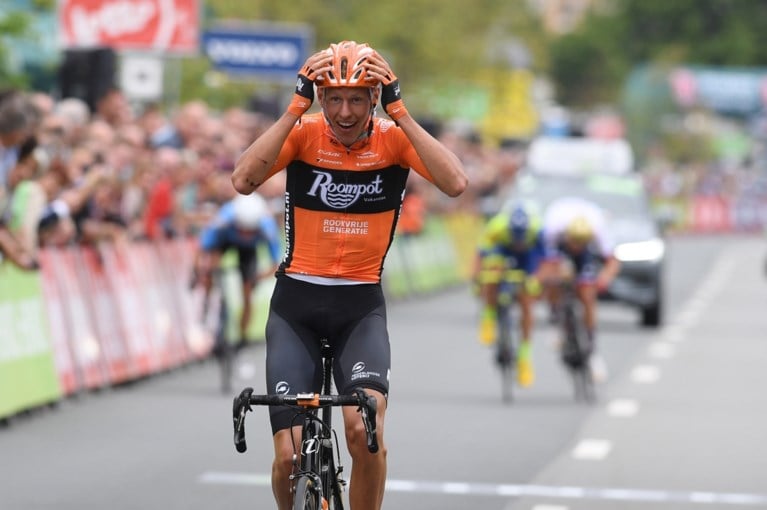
x: 517, y: 490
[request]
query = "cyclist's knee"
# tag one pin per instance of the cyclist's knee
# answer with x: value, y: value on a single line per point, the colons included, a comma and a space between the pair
x: 283, y: 452
x: 356, y: 441
x: 356, y: 436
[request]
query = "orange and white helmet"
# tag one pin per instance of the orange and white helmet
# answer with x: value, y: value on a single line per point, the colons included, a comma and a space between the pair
x: 348, y: 71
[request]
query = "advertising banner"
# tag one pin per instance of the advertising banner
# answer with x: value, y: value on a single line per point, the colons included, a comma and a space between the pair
x: 267, y: 51
x: 132, y: 308
x: 84, y: 344
x: 59, y: 322
x: 197, y: 335
x: 710, y: 214
x: 102, y: 305
x: 166, y: 26
x: 27, y: 370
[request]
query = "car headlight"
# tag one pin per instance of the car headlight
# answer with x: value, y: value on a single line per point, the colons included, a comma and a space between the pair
x: 647, y: 251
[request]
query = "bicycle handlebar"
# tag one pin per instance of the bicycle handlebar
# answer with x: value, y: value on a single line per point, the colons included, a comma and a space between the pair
x: 367, y: 405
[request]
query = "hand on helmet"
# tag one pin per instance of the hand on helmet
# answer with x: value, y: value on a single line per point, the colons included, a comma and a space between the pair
x: 391, y: 99
x: 303, y: 97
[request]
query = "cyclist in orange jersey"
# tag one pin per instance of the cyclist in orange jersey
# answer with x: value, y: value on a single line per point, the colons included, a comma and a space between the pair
x: 346, y: 172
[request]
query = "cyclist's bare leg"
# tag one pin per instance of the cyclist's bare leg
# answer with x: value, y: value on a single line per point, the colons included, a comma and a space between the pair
x: 526, y: 319
x: 587, y: 294
x: 283, y: 465
x: 368, y: 478
x: 489, y: 295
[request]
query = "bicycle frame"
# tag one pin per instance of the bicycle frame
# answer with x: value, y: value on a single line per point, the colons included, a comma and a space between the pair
x: 317, y: 464
x: 574, y: 342
x: 506, y: 344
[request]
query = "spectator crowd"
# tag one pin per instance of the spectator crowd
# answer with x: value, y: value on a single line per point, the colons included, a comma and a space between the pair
x: 70, y: 174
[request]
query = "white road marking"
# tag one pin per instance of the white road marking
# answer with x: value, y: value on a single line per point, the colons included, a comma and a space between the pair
x: 592, y: 449
x: 623, y: 407
x: 674, y: 333
x: 457, y: 488
x: 645, y: 374
x: 549, y: 507
x: 662, y: 350
x: 516, y: 490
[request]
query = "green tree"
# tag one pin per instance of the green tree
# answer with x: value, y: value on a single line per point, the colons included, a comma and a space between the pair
x: 590, y: 65
x: 431, y: 44
x: 12, y: 24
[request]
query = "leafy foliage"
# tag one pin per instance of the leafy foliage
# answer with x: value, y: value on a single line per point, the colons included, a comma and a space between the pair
x: 590, y: 65
x: 431, y: 44
x: 13, y: 24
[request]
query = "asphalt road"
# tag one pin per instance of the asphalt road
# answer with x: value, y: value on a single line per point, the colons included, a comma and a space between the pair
x: 680, y: 424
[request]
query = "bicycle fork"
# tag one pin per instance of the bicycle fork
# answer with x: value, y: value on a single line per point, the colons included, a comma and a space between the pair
x: 317, y: 451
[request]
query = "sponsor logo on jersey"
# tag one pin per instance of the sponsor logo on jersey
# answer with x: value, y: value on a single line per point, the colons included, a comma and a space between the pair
x: 339, y: 195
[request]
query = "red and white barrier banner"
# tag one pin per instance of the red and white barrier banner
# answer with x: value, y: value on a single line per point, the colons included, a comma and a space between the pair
x: 168, y: 26
x: 198, y: 336
x: 146, y: 268
x: 83, y: 342
x: 121, y: 312
x: 136, y: 319
x: 710, y: 214
x: 59, y: 322
x: 106, y: 319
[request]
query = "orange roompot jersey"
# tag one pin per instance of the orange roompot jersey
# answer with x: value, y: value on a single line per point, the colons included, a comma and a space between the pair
x: 342, y: 205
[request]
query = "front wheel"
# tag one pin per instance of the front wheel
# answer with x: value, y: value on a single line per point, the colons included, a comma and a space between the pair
x: 306, y: 496
x: 505, y: 356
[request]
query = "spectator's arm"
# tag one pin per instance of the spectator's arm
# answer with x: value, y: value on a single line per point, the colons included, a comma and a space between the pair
x: 11, y: 248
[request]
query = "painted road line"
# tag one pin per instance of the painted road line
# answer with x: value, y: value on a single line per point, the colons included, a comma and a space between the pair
x: 592, y: 449
x: 457, y: 488
x: 549, y: 507
x: 623, y: 408
x: 515, y: 490
x: 674, y: 333
x: 645, y: 374
x: 662, y: 350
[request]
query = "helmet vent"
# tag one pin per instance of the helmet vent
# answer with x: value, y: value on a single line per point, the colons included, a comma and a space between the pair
x: 344, y: 67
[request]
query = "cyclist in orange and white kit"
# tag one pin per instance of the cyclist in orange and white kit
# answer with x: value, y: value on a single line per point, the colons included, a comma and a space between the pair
x: 576, y: 231
x: 346, y: 171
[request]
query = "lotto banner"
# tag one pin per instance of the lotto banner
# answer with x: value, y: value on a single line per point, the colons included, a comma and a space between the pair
x: 164, y: 26
x: 148, y: 272
x: 132, y: 308
x: 59, y: 322
x: 178, y: 260
x: 710, y: 214
x: 27, y: 369
x: 83, y: 340
x: 107, y: 323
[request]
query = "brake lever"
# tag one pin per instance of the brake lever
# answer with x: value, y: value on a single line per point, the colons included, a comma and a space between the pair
x: 240, y: 408
x: 368, y: 407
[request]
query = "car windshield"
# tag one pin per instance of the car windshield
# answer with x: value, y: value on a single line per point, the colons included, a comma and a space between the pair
x: 621, y: 196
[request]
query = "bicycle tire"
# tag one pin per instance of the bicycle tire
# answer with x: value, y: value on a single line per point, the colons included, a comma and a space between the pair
x: 225, y: 351
x: 331, y: 484
x: 226, y: 367
x: 505, y: 354
x: 335, y: 501
x: 305, y: 496
x: 575, y: 356
x: 583, y: 385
